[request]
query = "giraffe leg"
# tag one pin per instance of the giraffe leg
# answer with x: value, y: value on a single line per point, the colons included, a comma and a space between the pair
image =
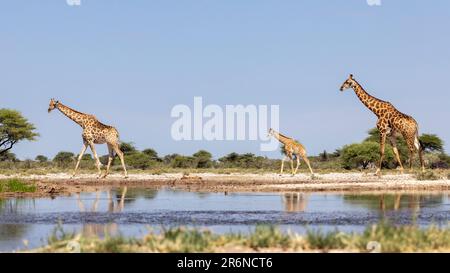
x: 382, y: 147
x: 282, y: 165
x: 120, y: 154
x: 393, y: 141
x: 83, y: 150
x: 97, y: 161
x: 292, y: 166
x: 298, y: 164
x: 422, y: 164
x: 411, y: 158
x: 305, y: 158
x: 110, y: 159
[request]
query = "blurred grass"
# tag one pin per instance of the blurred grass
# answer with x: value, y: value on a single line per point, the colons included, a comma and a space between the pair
x: 265, y: 238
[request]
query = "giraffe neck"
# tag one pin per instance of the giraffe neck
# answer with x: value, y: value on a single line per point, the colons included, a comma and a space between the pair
x: 76, y: 116
x: 372, y: 103
x: 281, y: 138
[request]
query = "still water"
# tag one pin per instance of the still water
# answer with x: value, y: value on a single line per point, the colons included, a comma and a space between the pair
x: 132, y: 212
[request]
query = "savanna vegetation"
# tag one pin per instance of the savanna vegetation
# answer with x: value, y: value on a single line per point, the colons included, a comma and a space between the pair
x: 357, y: 156
x: 376, y: 238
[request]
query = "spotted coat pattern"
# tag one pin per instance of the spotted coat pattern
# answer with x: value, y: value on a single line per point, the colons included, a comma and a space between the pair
x: 94, y: 132
x: 390, y: 122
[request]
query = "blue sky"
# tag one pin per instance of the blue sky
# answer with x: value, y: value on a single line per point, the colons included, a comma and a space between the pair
x: 130, y: 62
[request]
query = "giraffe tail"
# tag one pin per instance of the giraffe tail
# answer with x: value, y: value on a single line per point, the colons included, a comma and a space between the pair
x: 417, y: 141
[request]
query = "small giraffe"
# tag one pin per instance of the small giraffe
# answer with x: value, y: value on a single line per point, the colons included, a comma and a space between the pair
x: 390, y: 121
x: 291, y: 148
x: 94, y: 132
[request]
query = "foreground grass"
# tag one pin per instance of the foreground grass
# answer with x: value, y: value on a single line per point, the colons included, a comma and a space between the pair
x: 262, y: 239
x: 16, y: 185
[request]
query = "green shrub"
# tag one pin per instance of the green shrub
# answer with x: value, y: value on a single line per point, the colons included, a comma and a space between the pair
x: 139, y: 160
x: 64, y: 159
x: 361, y: 155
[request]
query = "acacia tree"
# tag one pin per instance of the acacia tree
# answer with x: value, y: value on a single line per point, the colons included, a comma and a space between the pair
x: 13, y: 129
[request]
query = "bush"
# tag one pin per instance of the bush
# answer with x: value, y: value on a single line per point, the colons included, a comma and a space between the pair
x: 203, y: 159
x: 152, y: 154
x: 431, y: 143
x: 128, y: 148
x: 41, y: 158
x: 363, y: 154
x: 139, y: 161
x: 184, y: 162
x: 63, y: 159
x: 247, y: 160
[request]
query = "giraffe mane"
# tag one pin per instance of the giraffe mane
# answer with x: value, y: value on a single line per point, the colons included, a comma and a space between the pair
x: 285, y: 136
x: 362, y: 88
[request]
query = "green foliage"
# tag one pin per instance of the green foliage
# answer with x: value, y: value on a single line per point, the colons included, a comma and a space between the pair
x: 7, y: 156
x: 431, y: 143
x: 13, y: 129
x: 41, y: 158
x: 181, y: 161
x: 63, y: 159
x: 128, y: 148
x: 16, y: 185
x: 203, y: 159
x: 87, y: 157
x: 247, y: 160
x: 152, y: 154
x: 324, y: 156
x: 139, y: 160
x: 361, y: 155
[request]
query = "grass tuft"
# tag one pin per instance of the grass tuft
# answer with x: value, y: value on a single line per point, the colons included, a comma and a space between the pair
x: 16, y: 185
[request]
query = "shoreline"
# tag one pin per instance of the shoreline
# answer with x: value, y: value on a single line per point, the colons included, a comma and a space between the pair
x: 60, y: 183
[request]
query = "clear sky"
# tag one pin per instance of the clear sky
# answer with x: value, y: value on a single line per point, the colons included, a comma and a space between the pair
x: 130, y: 62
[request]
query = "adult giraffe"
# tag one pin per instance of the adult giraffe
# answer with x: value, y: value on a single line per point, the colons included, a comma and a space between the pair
x: 390, y: 121
x: 94, y: 132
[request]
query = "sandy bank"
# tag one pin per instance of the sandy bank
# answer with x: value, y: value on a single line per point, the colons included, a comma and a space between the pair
x: 60, y: 183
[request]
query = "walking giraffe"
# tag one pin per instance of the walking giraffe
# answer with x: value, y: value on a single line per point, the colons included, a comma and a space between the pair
x: 94, y: 132
x: 390, y: 121
x: 291, y: 148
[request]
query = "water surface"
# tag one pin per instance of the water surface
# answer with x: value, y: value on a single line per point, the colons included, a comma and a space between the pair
x: 131, y: 212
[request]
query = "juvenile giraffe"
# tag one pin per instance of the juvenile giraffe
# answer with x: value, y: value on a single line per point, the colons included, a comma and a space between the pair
x: 390, y: 121
x: 94, y: 132
x: 291, y: 148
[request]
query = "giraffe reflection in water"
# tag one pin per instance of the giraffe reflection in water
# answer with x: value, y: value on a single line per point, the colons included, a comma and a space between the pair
x: 116, y: 204
x: 295, y: 202
x: 394, y: 202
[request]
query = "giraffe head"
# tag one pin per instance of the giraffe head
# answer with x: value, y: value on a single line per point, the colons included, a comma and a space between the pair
x: 271, y: 132
x: 349, y: 83
x: 53, y: 104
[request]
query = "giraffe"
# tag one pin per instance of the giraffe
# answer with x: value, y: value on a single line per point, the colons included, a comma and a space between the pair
x: 94, y: 132
x: 390, y: 122
x: 291, y: 148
